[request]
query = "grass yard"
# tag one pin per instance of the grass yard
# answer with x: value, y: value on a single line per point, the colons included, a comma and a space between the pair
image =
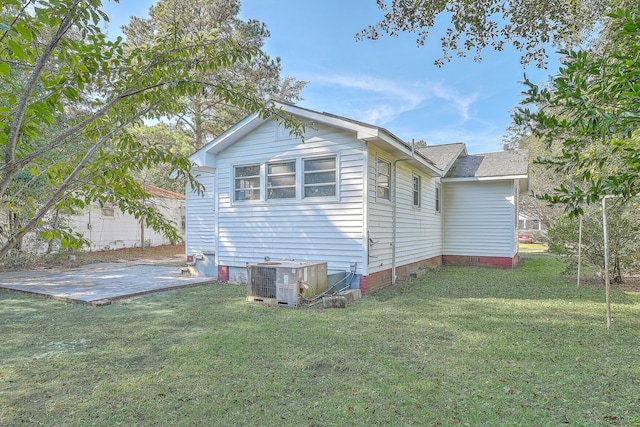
x: 460, y: 346
x: 525, y: 248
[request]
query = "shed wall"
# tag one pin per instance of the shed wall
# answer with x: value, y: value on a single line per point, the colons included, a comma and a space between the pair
x: 201, y: 223
x: 480, y: 219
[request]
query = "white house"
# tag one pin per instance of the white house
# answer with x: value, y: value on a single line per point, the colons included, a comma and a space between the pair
x: 108, y: 227
x: 352, y: 195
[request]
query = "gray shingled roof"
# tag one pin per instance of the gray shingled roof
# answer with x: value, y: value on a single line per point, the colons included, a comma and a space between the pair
x: 443, y: 155
x: 502, y: 163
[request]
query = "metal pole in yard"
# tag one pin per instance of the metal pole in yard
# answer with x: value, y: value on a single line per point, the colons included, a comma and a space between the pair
x: 579, y: 250
x: 142, y: 233
x: 607, y: 286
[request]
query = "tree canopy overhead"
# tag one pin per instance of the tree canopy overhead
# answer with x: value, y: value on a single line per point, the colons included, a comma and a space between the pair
x: 529, y: 26
x: 589, y: 117
x: 70, y: 97
x: 204, y: 114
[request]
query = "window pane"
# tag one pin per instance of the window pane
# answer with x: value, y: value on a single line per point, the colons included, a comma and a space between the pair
x: 248, y: 194
x: 282, y: 193
x: 320, y: 191
x: 383, y: 180
x: 384, y: 167
x: 383, y: 193
x: 279, y: 168
x: 319, y: 177
x: 416, y: 191
x: 242, y: 171
x: 247, y: 182
x: 282, y: 180
x: 320, y: 164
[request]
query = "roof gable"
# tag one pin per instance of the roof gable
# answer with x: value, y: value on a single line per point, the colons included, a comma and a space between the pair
x: 162, y: 193
x: 450, y: 161
x: 443, y: 156
x: 364, y: 132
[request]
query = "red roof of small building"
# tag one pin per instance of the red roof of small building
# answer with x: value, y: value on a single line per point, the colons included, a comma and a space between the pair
x: 161, y: 192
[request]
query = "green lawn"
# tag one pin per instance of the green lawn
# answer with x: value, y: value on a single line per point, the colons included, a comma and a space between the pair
x: 460, y: 346
x: 525, y: 248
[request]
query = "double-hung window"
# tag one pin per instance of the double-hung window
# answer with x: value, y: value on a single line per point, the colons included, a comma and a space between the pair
x: 438, y: 198
x: 320, y: 177
x: 247, y: 182
x: 281, y: 180
x: 383, y: 179
x: 417, y: 190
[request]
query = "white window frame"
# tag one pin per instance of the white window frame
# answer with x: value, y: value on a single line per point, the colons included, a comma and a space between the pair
x: 438, y: 198
x: 388, y: 175
x: 108, y: 212
x: 335, y: 182
x: 295, y: 179
x: 417, y: 193
x: 281, y: 131
x: 259, y: 188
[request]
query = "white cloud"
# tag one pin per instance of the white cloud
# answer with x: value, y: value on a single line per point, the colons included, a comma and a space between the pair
x: 393, y: 98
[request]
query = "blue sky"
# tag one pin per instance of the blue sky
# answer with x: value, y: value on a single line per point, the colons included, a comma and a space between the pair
x: 390, y: 82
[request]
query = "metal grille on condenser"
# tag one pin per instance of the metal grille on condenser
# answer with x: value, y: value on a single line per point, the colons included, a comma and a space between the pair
x: 263, y: 282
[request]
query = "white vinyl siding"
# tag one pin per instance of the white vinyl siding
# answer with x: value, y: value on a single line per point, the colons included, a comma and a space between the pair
x: 418, y: 232
x: 109, y: 228
x: 312, y: 228
x: 479, y: 218
x: 201, y: 231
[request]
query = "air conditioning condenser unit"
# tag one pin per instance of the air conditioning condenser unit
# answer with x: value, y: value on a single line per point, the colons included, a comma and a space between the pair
x: 286, y: 282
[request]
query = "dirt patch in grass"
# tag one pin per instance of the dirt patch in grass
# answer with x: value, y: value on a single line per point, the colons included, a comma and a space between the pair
x: 58, y: 261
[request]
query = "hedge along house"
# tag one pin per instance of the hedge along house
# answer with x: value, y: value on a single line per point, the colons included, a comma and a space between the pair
x: 352, y: 195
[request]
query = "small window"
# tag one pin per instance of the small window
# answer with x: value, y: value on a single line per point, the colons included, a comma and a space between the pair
x: 417, y: 190
x: 438, y: 199
x: 320, y: 177
x: 108, y: 212
x: 383, y: 180
x: 282, y: 132
x: 281, y: 180
x: 247, y: 182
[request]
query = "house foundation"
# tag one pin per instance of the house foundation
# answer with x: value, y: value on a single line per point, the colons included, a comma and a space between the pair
x: 379, y: 280
x: 486, y: 261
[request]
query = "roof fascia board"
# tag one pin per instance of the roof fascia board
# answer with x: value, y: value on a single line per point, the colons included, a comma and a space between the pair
x: 485, y: 178
x: 226, y: 138
x: 203, y: 169
x: 362, y: 131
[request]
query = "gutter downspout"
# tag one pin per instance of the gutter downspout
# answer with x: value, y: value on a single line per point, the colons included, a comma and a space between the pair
x: 394, y: 233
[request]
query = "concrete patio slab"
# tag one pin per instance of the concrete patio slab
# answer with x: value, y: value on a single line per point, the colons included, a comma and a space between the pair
x: 99, y: 284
